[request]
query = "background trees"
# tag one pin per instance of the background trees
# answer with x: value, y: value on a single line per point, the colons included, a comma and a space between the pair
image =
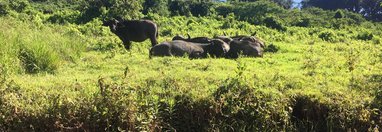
x: 371, y: 9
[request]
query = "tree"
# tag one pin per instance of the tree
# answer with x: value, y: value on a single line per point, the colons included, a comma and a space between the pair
x: 326, y: 4
x: 351, y: 5
x: 287, y: 4
x: 130, y: 9
x: 372, y: 9
x: 156, y: 6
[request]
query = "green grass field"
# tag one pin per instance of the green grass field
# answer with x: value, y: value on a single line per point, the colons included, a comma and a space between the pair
x: 78, y: 77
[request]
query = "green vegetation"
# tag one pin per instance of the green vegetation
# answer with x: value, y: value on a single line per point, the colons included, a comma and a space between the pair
x: 60, y: 70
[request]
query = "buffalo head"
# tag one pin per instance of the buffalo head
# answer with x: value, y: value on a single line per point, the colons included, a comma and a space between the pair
x: 218, y: 48
x: 112, y: 24
x: 179, y: 37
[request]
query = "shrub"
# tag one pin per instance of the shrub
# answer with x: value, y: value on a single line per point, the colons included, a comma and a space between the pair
x: 229, y: 21
x: 273, y: 22
x: 272, y: 48
x: 19, y: 5
x: 224, y: 9
x: 342, y: 23
x: 36, y: 58
x: 156, y: 6
x: 305, y: 22
x: 339, y: 14
x: 200, y: 8
x: 62, y: 17
x: 111, y: 9
x: 179, y: 8
x: 4, y: 9
x: 365, y: 36
x: 377, y: 40
x: 328, y: 35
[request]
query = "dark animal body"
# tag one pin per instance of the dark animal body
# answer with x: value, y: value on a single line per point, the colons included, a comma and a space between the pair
x: 133, y: 30
x: 224, y: 38
x: 244, y: 47
x: 249, y: 38
x: 216, y: 48
x: 195, y: 40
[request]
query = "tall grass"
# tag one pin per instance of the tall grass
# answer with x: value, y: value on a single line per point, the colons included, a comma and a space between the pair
x: 31, y: 49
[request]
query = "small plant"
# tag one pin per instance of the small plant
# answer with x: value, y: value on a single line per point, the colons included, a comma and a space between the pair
x: 310, y: 63
x: 19, y: 5
x: 305, y: 22
x: 328, y: 35
x: 272, y: 48
x: 365, y: 36
x: 4, y: 9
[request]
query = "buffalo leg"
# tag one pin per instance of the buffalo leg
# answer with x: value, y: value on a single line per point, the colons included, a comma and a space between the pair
x: 195, y: 55
x: 153, y: 41
x: 127, y: 45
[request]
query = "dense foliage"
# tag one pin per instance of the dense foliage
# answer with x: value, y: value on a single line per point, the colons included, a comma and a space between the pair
x: 61, y: 70
x: 371, y: 9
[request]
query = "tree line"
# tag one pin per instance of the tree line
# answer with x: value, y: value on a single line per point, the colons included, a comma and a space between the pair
x: 369, y: 9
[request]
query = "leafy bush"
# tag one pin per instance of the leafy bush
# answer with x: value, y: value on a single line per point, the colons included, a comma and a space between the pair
x: 62, y: 17
x: 179, y: 8
x: 224, y: 9
x: 19, y: 5
x: 156, y: 6
x: 342, y: 23
x: 365, y: 36
x: 328, y: 35
x: 305, y: 22
x: 4, y: 9
x: 272, y: 48
x: 273, y: 22
x: 255, y: 12
x: 339, y: 14
x: 111, y: 9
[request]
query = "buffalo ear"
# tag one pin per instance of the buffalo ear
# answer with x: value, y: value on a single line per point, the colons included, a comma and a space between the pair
x: 106, y: 22
x: 119, y: 18
x: 254, y: 34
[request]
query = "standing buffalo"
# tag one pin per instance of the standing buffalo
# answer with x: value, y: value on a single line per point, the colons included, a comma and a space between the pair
x: 133, y: 30
x: 245, y: 47
x: 216, y: 48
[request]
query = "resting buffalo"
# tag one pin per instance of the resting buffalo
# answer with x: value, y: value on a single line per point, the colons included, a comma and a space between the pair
x: 251, y: 39
x: 133, y: 30
x: 216, y: 48
x: 195, y: 40
x: 241, y: 38
x: 224, y: 38
x: 245, y: 47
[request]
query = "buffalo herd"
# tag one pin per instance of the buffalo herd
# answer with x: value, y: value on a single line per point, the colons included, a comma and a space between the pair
x: 197, y: 47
